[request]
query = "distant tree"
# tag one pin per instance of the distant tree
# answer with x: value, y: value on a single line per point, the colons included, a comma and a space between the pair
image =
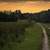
x: 18, y: 14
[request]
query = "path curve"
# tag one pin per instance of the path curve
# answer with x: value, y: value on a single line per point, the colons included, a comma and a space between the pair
x: 45, y: 38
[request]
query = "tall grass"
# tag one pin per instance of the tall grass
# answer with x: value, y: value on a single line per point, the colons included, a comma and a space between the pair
x: 20, y: 36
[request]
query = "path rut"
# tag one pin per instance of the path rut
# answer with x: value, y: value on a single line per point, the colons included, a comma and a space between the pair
x: 45, y: 38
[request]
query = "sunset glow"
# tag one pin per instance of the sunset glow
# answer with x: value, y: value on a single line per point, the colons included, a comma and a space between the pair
x: 28, y: 6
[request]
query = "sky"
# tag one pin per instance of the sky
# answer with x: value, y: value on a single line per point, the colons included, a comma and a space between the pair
x: 21, y: 0
x: 25, y: 6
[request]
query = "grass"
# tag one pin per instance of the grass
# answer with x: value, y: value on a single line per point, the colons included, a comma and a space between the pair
x: 32, y: 39
x: 5, y: 26
x: 49, y: 37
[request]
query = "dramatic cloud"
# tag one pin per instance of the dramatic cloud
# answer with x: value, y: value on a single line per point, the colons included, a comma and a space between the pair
x: 25, y: 6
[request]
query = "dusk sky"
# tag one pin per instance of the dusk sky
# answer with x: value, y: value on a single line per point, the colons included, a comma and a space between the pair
x: 27, y: 6
x: 21, y: 0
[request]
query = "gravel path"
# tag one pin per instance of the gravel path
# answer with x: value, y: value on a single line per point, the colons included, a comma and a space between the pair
x: 45, y: 38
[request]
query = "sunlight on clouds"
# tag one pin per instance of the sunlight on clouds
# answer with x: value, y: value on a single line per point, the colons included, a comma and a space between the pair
x: 25, y: 6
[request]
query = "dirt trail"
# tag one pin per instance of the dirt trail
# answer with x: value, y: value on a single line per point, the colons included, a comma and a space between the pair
x: 45, y: 38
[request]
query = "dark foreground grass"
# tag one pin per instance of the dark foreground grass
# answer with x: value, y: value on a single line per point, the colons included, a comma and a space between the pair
x: 32, y: 40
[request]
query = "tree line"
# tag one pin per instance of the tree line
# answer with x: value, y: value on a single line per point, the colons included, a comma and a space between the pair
x: 8, y: 16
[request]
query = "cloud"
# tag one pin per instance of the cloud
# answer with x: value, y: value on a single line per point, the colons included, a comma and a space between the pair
x: 25, y: 6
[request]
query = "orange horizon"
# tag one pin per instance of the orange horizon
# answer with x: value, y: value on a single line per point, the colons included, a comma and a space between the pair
x: 25, y: 7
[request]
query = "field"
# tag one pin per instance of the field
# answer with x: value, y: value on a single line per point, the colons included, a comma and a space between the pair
x: 31, y: 40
